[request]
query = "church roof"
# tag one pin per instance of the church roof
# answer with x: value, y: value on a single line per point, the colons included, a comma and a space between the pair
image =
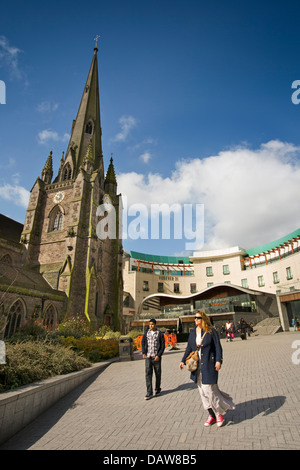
x: 10, y: 229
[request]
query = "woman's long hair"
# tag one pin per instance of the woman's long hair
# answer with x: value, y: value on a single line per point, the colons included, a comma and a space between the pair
x: 206, y: 323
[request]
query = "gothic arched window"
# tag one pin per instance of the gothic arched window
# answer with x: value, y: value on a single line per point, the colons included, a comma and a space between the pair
x: 56, y: 220
x: 49, y: 319
x: 14, y: 319
x: 67, y: 172
x: 6, y: 259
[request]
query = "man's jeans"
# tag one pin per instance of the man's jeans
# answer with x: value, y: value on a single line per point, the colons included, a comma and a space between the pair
x: 151, y: 364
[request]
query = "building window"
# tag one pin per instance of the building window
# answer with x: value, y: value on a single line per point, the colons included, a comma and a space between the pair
x: 49, y: 319
x: 160, y: 287
x: 209, y: 284
x: 245, y: 283
x: 226, y: 269
x: 193, y: 288
x: 14, y: 319
x: 57, y: 225
x: 176, y: 288
x: 289, y: 273
x: 145, y: 285
x: 56, y: 220
x: 209, y: 271
x: 275, y: 277
x: 261, y: 281
x: 67, y: 172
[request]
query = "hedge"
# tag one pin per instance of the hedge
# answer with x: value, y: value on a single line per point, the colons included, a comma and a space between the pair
x: 95, y: 350
x: 30, y: 361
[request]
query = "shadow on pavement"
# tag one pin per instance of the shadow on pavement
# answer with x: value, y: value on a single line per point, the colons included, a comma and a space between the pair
x: 249, y: 409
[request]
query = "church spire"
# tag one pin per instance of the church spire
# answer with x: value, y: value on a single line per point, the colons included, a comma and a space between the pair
x: 47, y: 172
x: 110, y: 183
x: 87, y: 123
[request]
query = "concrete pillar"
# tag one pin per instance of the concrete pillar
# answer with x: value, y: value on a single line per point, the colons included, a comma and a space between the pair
x: 283, y: 314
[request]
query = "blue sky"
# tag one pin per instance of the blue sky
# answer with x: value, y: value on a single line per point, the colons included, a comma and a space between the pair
x: 195, y: 103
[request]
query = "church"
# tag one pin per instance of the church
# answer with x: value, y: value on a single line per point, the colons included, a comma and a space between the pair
x: 55, y: 266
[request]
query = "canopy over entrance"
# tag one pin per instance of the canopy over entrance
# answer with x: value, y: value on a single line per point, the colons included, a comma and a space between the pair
x: 218, y: 291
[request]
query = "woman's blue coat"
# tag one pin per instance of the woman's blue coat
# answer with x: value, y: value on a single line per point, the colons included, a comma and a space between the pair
x: 211, y: 352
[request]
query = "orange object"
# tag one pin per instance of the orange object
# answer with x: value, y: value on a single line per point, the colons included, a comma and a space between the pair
x: 170, y: 339
x: 138, y: 343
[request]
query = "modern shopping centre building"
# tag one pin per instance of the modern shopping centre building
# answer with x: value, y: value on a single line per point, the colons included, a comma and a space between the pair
x: 227, y: 284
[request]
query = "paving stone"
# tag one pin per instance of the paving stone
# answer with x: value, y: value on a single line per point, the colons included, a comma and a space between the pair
x: 109, y: 412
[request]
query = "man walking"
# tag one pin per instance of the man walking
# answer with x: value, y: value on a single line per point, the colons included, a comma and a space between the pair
x: 153, y: 346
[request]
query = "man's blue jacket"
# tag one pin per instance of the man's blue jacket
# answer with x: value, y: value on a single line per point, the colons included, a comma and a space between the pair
x: 211, y: 352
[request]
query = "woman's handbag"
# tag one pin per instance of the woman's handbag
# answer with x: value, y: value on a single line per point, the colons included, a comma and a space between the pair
x: 191, y: 361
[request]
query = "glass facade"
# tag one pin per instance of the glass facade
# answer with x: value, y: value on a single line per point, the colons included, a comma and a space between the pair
x: 234, y: 303
x: 293, y: 311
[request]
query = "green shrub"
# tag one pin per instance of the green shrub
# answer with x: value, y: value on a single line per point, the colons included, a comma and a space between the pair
x: 30, y: 361
x: 95, y: 350
x: 102, y: 331
x: 112, y: 335
x: 32, y: 330
x: 76, y: 326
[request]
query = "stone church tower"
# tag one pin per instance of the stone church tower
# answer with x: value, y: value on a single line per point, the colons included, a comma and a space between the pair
x: 61, y: 221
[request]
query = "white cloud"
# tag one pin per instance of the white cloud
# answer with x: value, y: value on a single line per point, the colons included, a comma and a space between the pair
x: 48, y: 135
x: 126, y: 123
x: 9, y: 55
x: 145, y: 157
x: 17, y: 194
x: 47, y: 107
x: 250, y: 197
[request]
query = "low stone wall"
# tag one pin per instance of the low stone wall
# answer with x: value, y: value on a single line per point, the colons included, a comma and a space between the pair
x: 19, y: 407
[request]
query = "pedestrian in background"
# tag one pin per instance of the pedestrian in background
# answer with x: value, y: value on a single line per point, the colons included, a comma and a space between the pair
x: 153, y: 346
x: 206, y: 337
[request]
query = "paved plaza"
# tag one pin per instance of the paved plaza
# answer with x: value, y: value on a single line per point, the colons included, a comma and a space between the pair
x: 109, y: 412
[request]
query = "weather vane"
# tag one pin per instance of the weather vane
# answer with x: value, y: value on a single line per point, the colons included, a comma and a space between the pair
x: 96, y: 39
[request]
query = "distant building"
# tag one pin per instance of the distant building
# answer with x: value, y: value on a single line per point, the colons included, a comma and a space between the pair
x: 55, y: 266
x: 225, y: 283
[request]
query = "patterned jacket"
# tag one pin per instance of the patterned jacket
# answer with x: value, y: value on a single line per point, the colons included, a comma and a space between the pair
x: 160, y: 343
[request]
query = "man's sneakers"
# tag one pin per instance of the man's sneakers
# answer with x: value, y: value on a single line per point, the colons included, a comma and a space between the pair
x: 150, y: 395
x: 210, y: 421
x: 219, y: 420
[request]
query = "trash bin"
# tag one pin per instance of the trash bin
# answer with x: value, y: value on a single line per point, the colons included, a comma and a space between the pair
x: 125, y: 348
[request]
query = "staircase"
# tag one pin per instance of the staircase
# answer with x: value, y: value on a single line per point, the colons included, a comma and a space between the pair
x: 268, y: 326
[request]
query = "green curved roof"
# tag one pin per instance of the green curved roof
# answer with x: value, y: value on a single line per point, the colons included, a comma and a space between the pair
x: 160, y: 259
x: 274, y: 244
x: 185, y: 259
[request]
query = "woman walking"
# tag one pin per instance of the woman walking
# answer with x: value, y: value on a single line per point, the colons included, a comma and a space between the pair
x: 206, y: 339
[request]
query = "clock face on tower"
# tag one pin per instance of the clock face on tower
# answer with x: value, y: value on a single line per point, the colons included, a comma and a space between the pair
x: 107, y: 202
x: 58, y: 197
